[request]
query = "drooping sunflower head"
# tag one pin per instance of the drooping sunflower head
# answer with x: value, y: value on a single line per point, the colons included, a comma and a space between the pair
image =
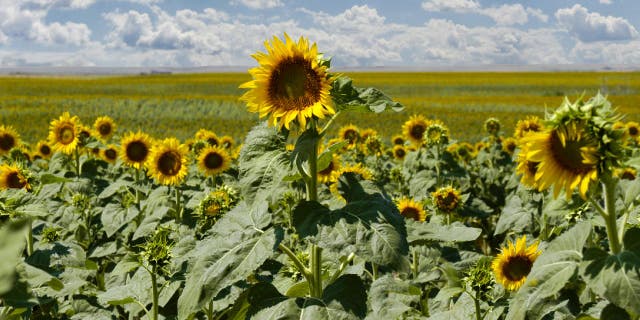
x: 63, y: 133
x: 399, y: 152
x: 397, y: 139
x: 567, y: 157
x: 437, y: 134
x: 9, y: 139
x: 213, y: 160
x: 326, y: 175
x: 512, y: 266
x: 411, y: 209
x: 104, y: 127
x: 447, y: 199
x: 492, y: 126
x: 529, y: 124
x: 12, y: 176
x: 110, y: 154
x: 509, y: 145
x: 349, y: 133
x: 290, y: 83
x: 167, y: 162
x: 414, y: 129
x: 135, y: 149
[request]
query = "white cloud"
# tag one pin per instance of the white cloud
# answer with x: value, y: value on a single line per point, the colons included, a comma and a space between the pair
x: 591, y: 26
x: 607, y: 52
x: 507, y: 14
x: 606, y: 1
x: 259, y: 4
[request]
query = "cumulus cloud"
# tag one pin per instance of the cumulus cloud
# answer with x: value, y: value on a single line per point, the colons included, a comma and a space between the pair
x: 591, y: 26
x: 259, y: 4
x: 606, y: 2
x: 507, y: 14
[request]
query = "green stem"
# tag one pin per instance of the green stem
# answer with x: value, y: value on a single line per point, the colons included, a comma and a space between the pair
x: 301, y: 268
x: 476, y: 302
x: 179, y: 210
x: 438, y: 182
x: 326, y: 126
x: 137, y: 178
x: 316, y: 272
x: 76, y: 155
x: 312, y: 187
x: 343, y: 265
x: 374, y: 271
x: 30, y: 239
x: 210, y: 310
x: 609, y: 185
x: 414, y: 263
x: 154, y: 291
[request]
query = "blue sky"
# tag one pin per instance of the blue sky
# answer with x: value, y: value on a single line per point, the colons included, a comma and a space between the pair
x: 151, y: 33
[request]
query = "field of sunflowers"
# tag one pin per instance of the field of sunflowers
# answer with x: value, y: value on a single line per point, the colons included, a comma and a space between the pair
x: 312, y: 213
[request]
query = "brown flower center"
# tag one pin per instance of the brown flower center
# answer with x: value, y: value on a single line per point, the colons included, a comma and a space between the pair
x: 447, y: 201
x: 532, y: 167
x: 7, y: 142
x: 517, y: 268
x: 633, y: 131
x: 104, y: 129
x: 66, y: 134
x: 411, y: 212
x: 169, y: 163
x: 45, y: 150
x: 417, y: 131
x: 15, y: 180
x: 137, y: 151
x: 400, y: 153
x: 212, y: 141
x: 350, y: 135
x: 294, y: 84
x: 398, y: 141
x: 110, y: 154
x: 213, y: 160
x: 569, y: 156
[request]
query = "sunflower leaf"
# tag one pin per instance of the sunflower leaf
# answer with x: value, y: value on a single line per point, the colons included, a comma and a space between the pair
x: 425, y: 232
x: 390, y: 297
x: 348, y: 97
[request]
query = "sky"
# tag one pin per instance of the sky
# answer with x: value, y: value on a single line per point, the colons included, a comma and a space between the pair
x: 374, y: 33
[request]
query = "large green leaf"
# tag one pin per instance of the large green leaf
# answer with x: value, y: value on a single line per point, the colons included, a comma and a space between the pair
x: 551, y: 271
x: 371, y: 227
x: 236, y: 248
x: 12, y: 242
x: 391, y: 298
x: 425, y: 232
x: 114, y: 217
x: 349, y: 97
x: 616, y: 277
x: 516, y: 215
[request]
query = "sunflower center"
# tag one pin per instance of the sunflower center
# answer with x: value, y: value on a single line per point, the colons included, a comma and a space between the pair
x: 169, y: 163
x: 110, y: 154
x: 15, y: 181
x: 398, y: 141
x: 447, y: 201
x: 104, y: 129
x: 45, y: 150
x: 66, y: 134
x: 633, y: 131
x: 569, y: 156
x: 212, y: 141
x: 532, y: 167
x: 213, y: 160
x: 137, y: 151
x: 417, y: 131
x: 7, y: 142
x: 351, y: 136
x: 411, y: 212
x: 400, y: 153
x: 517, y: 268
x: 294, y: 84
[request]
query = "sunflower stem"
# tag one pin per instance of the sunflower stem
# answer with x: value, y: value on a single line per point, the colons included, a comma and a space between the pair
x: 414, y: 263
x: 137, y: 180
x: 316, y: 271
x: 30, y: 238
x: 76, y: 156
x: 179, y: 210
x: 476, y: 302
x: 329, y: 123
x: 609, y: 185
x: 154, y: 290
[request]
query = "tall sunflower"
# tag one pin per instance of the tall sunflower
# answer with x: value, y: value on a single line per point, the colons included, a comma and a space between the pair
x: 104, y: 127
x: 43, y: 149
x: 12, y: 177
x: 290, y: 84
x: 567, y: 158
x: 167, y: 163
x: 110, y: 154
x: 411, y: 209
x: 447, y: 199
x: 135, y: 149
x: 512, y: 266
x: 399, y: 152
x: 64, y: 132
x: 213, y: 160
x: 397, y: 139
x: 9, y: 139
x: 414, y: 129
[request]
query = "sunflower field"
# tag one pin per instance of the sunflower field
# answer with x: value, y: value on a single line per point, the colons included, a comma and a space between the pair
x: 310, y: 216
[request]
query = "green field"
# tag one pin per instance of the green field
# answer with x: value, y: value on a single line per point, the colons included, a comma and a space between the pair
x: 178, y: 105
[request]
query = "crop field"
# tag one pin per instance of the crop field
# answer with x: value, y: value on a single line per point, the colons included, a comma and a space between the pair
x: 183, y: 103
x: 438, y: 195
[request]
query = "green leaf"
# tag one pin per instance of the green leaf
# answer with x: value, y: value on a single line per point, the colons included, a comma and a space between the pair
x: 516, y: 215
x: 349, y: 293
x: 114, y: 217
x: 551, y: 271
x: 349, y: 97
x: 303, y: 149
x: 616, y: 277
x: 235, y: 250
x: 371, y: 227
x: 613, y: 312
x: 47, y: 178
x: 391, y: 298
x: 12, y: 242
x: 327, y: 155
x: 426, y: 232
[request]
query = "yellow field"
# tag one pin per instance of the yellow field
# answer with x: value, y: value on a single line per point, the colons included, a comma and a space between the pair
x: 178, y: 105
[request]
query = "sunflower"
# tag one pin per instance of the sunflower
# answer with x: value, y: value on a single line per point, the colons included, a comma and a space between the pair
x: 290, y: 83
x: 414, y: 128
x: 397, y: 139
x: 209, y: 136
x: 399, y: 152
x: 104, y: 127
x: 12, y: 177
x: 63, y: 133
x: 492, y: 126
x: 43, y: 149
x: 512, y: 266
x: 358, y: 170
x: 9, y: 139
x: 567, y: 156
x: 84, y: 134
x: 366, y: 133
x: 373, y: 146
x: 462, y: 151
x: 530, y: 124
x: 135, y: 149
x: 447, y: 199
x: 633, y: 129
x: 227, y: 142
x: 326, y: 175
x: 167, y: 163
x: 436, y: 134
x: 350, y: 133
x: 110, y: 154
x: 409, y: 208
x: 213, y: 160
x: 509, y: 145
x: 627, y: 173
